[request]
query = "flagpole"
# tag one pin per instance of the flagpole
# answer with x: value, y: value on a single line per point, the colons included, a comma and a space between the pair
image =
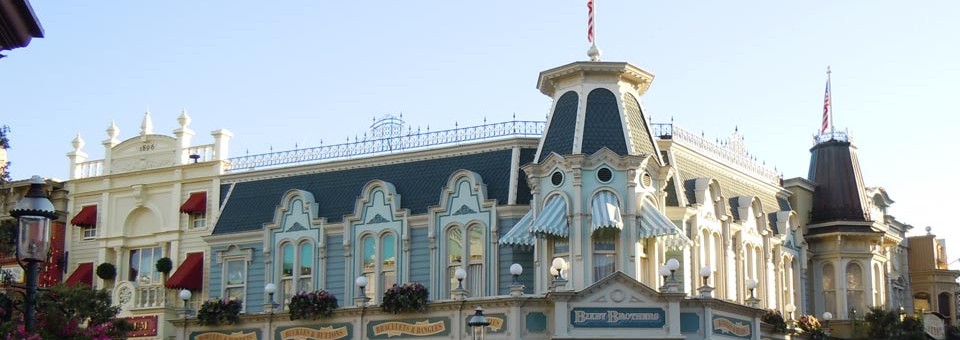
x: 832, y: 129
x: 594, y: 51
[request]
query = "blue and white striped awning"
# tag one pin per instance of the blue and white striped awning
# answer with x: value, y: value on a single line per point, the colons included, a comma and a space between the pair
x: 520, y: 234
x: 654, y: 224
x: 606, y: 211
x: 552, y: 220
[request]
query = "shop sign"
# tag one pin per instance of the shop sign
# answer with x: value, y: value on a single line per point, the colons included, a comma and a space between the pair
x: 142, y: 326
x: 497, y: 323
x: 733, y: 327
x: 243, y: 334
x: 933, y: 326
x: 408, y: 328
x: 618, y: 317
x: 319, y: 332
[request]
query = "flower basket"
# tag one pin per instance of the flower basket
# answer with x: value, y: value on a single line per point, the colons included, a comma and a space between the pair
x: 164, y: 265
x: 312, y: 305
x: 811, y: 328
x: 410, y: 297
x: 220, y: 312
x: 775, y: 319
x: 106, y: 271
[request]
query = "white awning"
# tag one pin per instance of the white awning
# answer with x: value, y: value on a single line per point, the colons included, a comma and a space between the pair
x: 606, y: 212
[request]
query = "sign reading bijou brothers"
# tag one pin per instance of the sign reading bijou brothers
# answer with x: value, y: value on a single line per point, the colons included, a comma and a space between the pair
x: 618, y: 317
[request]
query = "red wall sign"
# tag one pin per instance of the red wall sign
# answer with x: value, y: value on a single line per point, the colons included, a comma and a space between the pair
x: 142, y: 326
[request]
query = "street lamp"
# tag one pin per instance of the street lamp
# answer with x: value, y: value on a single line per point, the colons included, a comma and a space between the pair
x: 516, y: 289
x: 185, y: 295
x: 556, y: 268
x: 361, y: 299
x: 673, y: 265
x: 460, y: 274
x: 477, y: 323
x: 270, y: 289
x: 34, y: 211
x: 753, y: 301
x: 705, y: 290
x: 827, y: 316
x: 790, y: 308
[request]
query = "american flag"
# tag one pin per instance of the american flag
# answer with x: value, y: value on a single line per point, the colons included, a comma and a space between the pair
x: 826, y: 109
x: 590, y: 21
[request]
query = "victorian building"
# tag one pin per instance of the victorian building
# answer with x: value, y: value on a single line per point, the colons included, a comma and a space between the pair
x: 145, y: 200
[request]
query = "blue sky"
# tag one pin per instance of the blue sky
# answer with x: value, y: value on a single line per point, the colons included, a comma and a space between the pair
x: 280, y: 74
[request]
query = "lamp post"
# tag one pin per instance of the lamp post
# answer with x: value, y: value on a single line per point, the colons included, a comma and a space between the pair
x: 516, y: 289
x: 705, y: 290
x: 271, y: 306
x: 460, y: 293
x: 556, y: 268
x: 665, y: 273
x: 34, y: 211
x: 752, y: 301
x: 827, y: 316
x: 673, y: 265
x: 790, y: 308
x: 361, y: 299
x: 478, y: 324
x: 185, y: 295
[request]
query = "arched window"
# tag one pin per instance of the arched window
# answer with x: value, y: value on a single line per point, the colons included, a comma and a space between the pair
x: 475, y: 269
x: 943, y: 303
x: 368, y: 267
x: 388, y: 261
x: 604, y: 252
x: 829, y: 289
x: 454, y: 255
x: 854, y: 288
x: 297, y: 268
x: 877, y: 285
x: 716, y: 263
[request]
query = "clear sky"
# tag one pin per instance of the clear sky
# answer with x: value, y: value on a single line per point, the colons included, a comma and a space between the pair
x: 280, y: 74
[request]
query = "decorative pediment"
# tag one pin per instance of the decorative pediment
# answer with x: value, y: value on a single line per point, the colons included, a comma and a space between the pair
x: 296, y: 227
x: 617, y: 288
x: 377, y: 219
x: 464, y: 209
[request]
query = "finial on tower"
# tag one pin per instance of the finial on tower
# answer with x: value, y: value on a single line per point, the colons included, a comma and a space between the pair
x: 146, y: 127
x: 828, y: 70
x: 77, y: 142
x: 594, y: 52
x: 184, y: 119
x: 113, y: 131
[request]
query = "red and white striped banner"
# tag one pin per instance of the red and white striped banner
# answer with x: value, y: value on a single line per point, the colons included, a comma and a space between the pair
x: 590, y: 21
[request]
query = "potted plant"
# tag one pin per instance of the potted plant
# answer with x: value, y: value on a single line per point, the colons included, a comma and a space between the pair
x: 219, y: 312
x: 410, y: 297
x: 164, y: 265
x: 312, y: 305
x: 106, y: 271
x: 811, y: 328
x: 775, y: 319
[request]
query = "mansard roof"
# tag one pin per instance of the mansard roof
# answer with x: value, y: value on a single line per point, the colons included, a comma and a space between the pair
x: 839, y: 195
x: 690, y: 170
x: 249, y: 204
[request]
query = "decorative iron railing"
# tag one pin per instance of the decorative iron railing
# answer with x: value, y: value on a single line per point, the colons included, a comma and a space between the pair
x: 411, y: 141
x: 842, y: 136
x: 739, y: 160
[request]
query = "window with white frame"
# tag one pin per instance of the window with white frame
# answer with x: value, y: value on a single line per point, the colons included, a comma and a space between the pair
x: 829, y: 289
x: 296, y: 268
x: 198, y: 219
x: 379, y: 263
x: 604, y: 252
x: 89, y: 233
x: 467, y: 254
x: 855, y: 298
x: 235, y: 283
x: 142, y: 267
x: 560, y: 247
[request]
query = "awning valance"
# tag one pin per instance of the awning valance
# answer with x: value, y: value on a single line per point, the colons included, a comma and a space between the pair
x: 83, y: 274
x: 552, y: 220
x: 520, y: 234
x: 87, y: 217
x: 654, y: 224
x: 606, y: 212
x: 189, y: 275
x: 197, y: 203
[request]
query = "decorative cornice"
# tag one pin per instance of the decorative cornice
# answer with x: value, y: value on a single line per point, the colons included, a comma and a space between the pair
x: 639, y: 78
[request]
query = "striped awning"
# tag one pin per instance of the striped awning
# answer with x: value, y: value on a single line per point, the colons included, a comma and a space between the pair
x: 606, y: 211
x: 654, y: 224
x: 552, y: 220
x: 520, y: 234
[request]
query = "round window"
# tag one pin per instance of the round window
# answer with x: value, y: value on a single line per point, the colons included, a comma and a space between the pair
x: 604, y: 175
x: 646, y: 180
x: 556, y: 178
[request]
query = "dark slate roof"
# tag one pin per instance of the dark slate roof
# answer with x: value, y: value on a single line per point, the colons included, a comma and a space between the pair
x: 524, y: 195
x: 671, y: 190
x: 601, y: 125
x: 840, y: 229
x: 639, y: 133
x: 563, y: 125
x: 839, y: 195
x: 419, y: 183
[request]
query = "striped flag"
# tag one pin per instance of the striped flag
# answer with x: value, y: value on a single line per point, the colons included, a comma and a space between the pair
x: 826, y: 109
x: 590, y: 21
